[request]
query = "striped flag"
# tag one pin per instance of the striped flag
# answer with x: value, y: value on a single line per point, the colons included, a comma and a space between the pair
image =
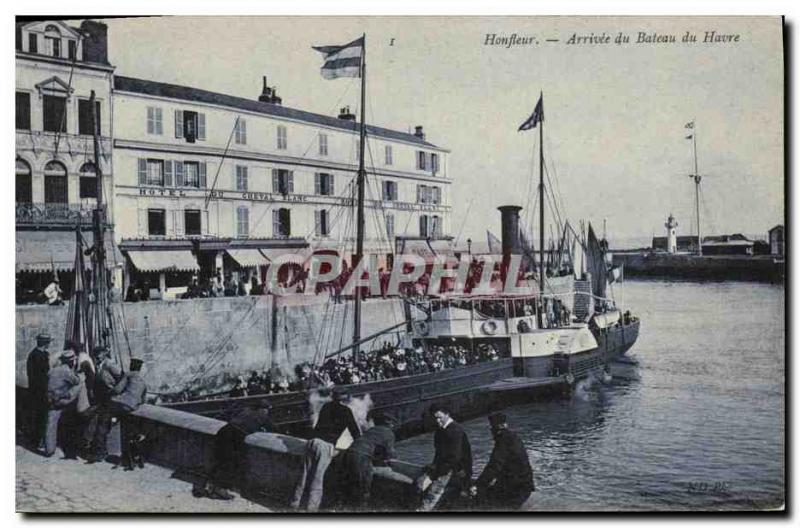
x: 342, y: 61
x: 536, y: 117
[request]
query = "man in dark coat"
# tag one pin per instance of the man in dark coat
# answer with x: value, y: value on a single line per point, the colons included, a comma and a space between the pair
x: 507, y: 480
x: 229, y: 450
x: 334, y: 418
x: 38, y: 366
x: 130, y: 398
x: 449, y: 475
x: 376, y: 444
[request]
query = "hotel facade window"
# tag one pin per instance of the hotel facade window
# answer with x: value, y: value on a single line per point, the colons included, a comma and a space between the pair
x: 282, y: 141
x: 192, y: 222
x: 55, y: 183
x: 155, y: 124
x: 88, y: 181
x: 281, y: 222
x: 52, y: 39
x: 24, y: 183
x: 85, y: 117
x: 323, y: 184
x: 321, y: 227
x: 389, y: 191
x: 241, y: 177
x: 388, y: 155
x: 23, y: 107
x: 423, y: 226
x: 282, y: 181
x: 240, y: 132
x: 323, y: 144
x: 151, y: 172
x: 191, y: 174
x: 242, y: 222
x: 33, y: 43
x: 54, y: 113
x: 190, y: 126
x: 422, y: 159
x: 156, y: 222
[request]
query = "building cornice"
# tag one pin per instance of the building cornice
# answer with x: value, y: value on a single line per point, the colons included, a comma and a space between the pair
x: 36, y: 57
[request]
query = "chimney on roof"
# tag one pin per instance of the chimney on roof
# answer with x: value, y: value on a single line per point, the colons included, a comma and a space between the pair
x: 346, y: 114
x: 418, y: 132
x: 95, y: 44
x: 269, y: 94
x: 266, y: 92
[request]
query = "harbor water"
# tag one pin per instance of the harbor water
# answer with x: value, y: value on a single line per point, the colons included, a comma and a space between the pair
x: 696, y: 424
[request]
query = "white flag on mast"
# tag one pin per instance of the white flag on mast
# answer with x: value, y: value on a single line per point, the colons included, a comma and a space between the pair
x: 342, y: 61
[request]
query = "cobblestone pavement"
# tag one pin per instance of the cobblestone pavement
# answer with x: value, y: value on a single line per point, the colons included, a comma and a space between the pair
x: 59, y: 485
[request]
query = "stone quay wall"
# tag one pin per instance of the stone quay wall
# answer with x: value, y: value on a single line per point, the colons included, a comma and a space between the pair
x: 202, y: 344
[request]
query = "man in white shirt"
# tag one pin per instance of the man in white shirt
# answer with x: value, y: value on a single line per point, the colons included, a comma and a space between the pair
x: 53, y: 293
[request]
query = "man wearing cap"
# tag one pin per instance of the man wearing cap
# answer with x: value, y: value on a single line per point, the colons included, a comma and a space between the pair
x: 507, y: 480
x: 130, y: 398
x: 63, y: 386
x: 229, y: 450
x: 334, y: 418
x: 38, y: 367
x: 377, y: 443
x: 449, y: 475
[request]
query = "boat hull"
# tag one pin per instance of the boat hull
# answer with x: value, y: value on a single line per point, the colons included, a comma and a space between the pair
x: 468, y: 391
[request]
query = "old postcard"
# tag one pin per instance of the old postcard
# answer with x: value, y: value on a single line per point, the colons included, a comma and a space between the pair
x: 389, y: 264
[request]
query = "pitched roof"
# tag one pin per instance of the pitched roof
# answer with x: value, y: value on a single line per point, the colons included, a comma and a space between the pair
x: 187, y: 93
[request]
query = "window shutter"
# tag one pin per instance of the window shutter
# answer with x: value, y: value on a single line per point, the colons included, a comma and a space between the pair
x: 178, y: 123
x: 276, y: 223
x: 291, y: 182
x: 423, y: 226
x: 201, y: 127
x: 178, y: 221
x: 288, y: 222
x: 179, y: 174
x: 243, y: 126
x: 168, y: 173
x: 204, y: 222
x: 317, y: 183
x: 317, y: 223
x: 159, y: 125
x: 202, y: 169
x: 275, y: 181
x: 142, y: 171
x: 151, y: 120
x: 330, y: 185
x: 143, y: 223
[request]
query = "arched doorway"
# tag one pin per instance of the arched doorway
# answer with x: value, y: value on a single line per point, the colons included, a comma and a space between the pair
x: 24, y: 184
x: 55, y: 183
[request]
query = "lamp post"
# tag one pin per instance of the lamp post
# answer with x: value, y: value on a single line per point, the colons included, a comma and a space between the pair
x: 469, y: 246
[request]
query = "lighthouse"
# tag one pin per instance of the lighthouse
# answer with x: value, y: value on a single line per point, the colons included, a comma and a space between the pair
x: 672, y: 234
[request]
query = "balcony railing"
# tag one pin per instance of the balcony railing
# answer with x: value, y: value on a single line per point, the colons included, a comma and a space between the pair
x: 54, y: 213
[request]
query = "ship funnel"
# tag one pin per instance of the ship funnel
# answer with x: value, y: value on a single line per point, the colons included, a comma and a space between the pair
x: 509, y: 218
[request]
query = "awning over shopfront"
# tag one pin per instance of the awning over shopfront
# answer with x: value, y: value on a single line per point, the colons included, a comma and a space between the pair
x: 273, y: 253
x: 43, y: 251
x: 248, y: 258
x: 427, y: 249
x: 172, y: 260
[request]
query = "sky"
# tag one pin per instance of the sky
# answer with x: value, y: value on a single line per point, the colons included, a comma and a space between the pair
x: 615, y: 114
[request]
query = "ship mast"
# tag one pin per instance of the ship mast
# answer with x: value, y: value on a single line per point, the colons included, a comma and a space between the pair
x: 541, y: 209
x: 98, y: 230
x: 360, y: 204
x: 697, y: 178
